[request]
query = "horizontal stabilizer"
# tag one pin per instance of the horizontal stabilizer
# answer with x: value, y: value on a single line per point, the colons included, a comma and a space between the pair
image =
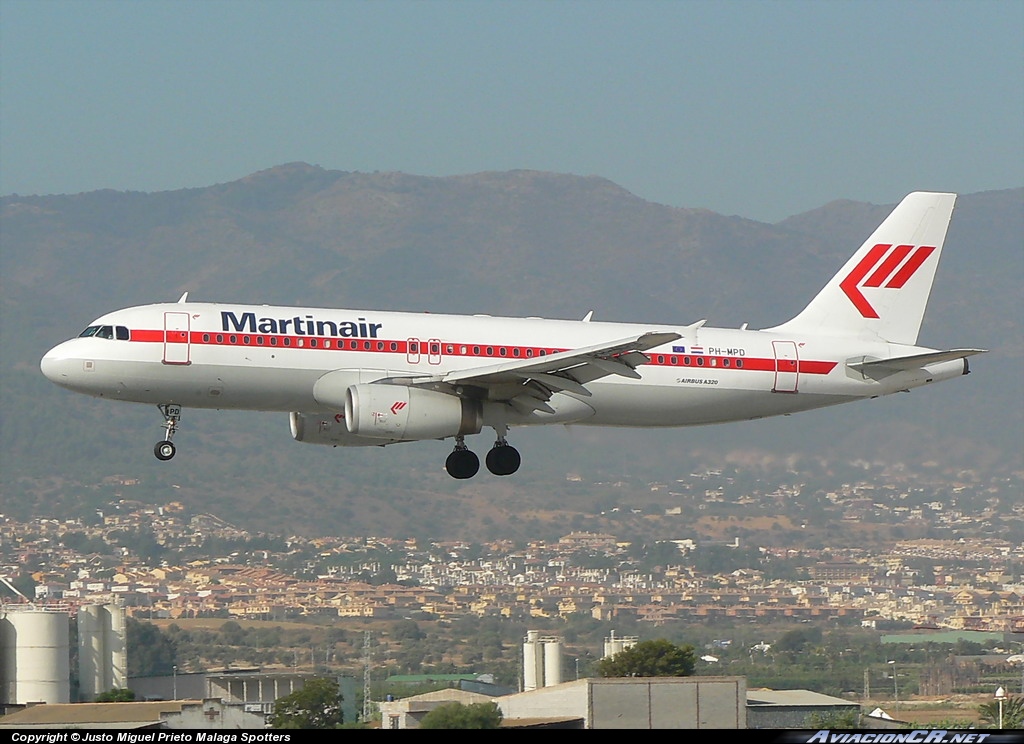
x: 885, y: 367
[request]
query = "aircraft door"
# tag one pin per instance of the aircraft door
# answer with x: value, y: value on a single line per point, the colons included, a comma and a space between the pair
x: 434, y: 351
x: 786, y: 369
x: 412, y: 350
x: 176, y: 338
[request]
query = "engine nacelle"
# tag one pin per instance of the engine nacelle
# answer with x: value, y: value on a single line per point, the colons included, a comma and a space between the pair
x: 328, y: 429
x: 407, y: 413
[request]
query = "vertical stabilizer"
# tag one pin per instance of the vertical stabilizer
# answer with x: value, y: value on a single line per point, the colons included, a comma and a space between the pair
x: 882, y: 291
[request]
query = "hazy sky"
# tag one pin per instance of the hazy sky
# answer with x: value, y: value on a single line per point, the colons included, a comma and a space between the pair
x: 762, y: 109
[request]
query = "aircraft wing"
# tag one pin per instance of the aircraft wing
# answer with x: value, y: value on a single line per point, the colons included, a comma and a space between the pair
x: 527, y: 383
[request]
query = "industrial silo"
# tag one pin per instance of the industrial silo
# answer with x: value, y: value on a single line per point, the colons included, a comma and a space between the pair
x: 8, y: 657
x: 101, y: 649
x: 35, y: 654
x: 542, y: 661
x: 533, y: 662
x: 613, y: 645
x: 552, y: 662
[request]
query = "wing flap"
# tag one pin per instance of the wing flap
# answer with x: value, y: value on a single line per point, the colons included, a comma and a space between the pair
x: 565, y: 371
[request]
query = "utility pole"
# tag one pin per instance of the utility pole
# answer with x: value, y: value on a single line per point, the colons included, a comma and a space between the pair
x: 367, y: 708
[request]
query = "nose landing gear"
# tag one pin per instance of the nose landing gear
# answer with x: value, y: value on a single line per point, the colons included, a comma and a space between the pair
x: 165, y: 449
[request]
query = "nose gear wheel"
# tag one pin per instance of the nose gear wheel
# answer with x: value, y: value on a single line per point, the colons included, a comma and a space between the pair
x: 165, y: 449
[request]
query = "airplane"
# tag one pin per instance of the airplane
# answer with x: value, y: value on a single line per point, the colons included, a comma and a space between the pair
x: 355, y: 378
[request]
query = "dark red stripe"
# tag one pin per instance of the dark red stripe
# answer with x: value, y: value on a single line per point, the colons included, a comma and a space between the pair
x: 849, y: 284
x: 888, y: 266
x: 919, y: 257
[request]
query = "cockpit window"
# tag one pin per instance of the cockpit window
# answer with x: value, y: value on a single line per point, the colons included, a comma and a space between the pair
x: 104, y: 332
x: 122, y: 333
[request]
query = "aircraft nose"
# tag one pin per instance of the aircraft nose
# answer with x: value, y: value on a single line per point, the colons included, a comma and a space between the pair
x: 55, y: 365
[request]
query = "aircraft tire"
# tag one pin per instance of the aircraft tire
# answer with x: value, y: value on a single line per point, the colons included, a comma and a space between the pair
x: 462, y: 464
x: 164, y: 450
x: 503, y: 460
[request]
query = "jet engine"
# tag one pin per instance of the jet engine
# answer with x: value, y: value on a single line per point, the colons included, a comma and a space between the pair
x: 329, y: 429
x: 408, y: 413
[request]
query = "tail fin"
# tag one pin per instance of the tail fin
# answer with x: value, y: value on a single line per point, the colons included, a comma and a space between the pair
x: 882, y: 291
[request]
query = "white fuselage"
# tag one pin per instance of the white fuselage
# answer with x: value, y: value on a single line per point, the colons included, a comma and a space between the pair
x: 266, y: 358
x: 370, y: 378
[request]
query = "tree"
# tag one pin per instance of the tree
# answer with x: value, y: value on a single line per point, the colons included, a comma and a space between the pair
x: 459, y: 716
x: 655, y: 658
x: 150, y: 652
x: 840, y: 719
x: 116, y: 695
x: 1013, y: 713
x: 316, y: 706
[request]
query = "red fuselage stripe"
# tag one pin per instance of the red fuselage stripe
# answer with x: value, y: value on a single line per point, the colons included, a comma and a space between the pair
x: 432, y: 351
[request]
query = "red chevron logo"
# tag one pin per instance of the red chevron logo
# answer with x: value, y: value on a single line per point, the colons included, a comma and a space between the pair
x: 891, y: 269
x: 398, y: 406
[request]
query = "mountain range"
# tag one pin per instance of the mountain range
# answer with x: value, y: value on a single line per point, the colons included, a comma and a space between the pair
x: 503, y: 243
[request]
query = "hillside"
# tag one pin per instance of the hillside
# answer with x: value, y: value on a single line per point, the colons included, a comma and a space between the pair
x: 515, y: 243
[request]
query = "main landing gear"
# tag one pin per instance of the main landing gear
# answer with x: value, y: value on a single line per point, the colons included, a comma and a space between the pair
x: 164, y: 450
x: 502, y: 459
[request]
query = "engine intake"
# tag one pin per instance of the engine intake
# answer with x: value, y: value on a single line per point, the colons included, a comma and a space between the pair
x: 407, y: 413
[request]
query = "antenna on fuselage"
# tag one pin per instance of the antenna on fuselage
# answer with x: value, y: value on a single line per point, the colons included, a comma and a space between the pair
x: 183, y: 299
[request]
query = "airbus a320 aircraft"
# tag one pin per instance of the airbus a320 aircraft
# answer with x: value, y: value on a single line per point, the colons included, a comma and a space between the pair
x: 371, y: 378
